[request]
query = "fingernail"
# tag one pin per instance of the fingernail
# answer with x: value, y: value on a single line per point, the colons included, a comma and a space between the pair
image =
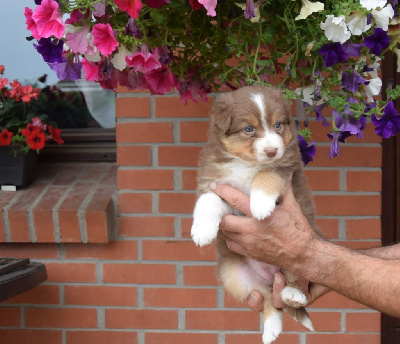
x: 213, y: 185
x: 278, y: 279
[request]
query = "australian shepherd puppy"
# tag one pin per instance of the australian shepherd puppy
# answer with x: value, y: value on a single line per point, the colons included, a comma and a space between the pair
x: 252, y: 146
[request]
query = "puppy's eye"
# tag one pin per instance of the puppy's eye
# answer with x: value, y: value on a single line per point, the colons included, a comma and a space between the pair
x: 278, y: 125
x: 249, y: 129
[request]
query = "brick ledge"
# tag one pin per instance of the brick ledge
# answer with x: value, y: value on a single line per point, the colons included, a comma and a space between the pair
x: 67, y: 203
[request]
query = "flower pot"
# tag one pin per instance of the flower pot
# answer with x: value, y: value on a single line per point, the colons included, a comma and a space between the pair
x: 18, y: 170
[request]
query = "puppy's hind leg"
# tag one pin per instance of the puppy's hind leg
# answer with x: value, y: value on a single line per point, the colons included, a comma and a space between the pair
x: 272, y: 319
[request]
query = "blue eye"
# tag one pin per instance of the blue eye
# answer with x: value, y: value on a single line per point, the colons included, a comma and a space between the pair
x: 278, y: 125
x: 249, y: 129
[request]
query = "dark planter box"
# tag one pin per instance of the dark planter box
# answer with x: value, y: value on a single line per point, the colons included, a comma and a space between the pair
x: 18, y: 170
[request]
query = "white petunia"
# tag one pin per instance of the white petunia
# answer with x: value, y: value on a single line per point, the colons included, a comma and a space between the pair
x: 373, y: 88
x: 383, y: 16
x: 335, y: 28
x: 308, y: 8
x: 118, y: 59
x: 357, y: 24
x: 373, y: 4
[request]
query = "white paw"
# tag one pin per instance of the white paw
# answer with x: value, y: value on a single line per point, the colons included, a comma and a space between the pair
x: 272, y: 327
x: 204, y: 231
x: 261, y: 204
x: 294, y: 297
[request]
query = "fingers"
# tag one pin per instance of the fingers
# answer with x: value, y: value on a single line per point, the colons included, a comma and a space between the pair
x: 255, y: 301
x: 277, y: 287
x: 234, y: 197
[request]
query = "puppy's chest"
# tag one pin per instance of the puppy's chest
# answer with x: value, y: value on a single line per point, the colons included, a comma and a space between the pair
x: 240, y: 175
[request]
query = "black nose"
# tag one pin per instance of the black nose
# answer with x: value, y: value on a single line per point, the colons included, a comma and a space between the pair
x: 270, y: 152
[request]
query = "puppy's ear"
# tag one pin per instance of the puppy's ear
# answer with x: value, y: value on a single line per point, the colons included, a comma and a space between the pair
x: 221, y: 112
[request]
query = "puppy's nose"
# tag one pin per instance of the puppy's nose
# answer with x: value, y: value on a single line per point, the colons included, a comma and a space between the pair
x: 270, y: 152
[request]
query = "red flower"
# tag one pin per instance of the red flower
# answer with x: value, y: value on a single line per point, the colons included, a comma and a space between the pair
x: 5, y: 137
x: 55, y: 134
x: 36, y: 140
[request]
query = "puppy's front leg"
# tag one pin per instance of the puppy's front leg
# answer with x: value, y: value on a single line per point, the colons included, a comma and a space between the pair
x: 266, y: 188
x: 207, y: 215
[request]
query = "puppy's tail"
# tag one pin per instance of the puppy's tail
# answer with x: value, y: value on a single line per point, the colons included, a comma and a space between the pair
x: 301, y: 315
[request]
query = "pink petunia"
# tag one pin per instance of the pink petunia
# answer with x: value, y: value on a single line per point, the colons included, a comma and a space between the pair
x: 91, y: 70
x: 30, y: 23
x: 48, y: 19
x: 103, y: 38
x: 143, y: 61
x: 132, y: 7
x: 160, y: 80
x: 209, y: 5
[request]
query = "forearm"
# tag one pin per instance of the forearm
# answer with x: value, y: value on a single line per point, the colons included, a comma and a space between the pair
x: 371, y: 281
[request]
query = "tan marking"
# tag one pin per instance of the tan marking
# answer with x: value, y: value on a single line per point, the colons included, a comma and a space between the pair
x: 269, y: 181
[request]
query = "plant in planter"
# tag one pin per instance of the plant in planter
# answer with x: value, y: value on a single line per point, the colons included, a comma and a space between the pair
x: 23, y: 132
x: 328, y: 54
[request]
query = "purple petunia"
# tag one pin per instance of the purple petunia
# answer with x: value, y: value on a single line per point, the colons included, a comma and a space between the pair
x: 307, y: 151
x: 389, y: 124
x: 351, y: 80
x: 333, y: 53
x: 336, y: 137
x: 378, y: 41
x: 51, y: 50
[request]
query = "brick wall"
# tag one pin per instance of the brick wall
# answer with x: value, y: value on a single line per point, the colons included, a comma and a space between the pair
x: 152, y: 285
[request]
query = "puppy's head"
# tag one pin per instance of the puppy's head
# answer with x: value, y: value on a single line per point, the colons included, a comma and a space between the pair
x: 253, y: 123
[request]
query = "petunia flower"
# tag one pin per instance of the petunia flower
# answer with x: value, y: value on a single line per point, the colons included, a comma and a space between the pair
x: 160, y: 80
x: 132, y: 7
x: 209, y: 5
x: 5, y: 137
x: 78, y: 40
x: 51, y: 50
x: 103, y: 38
x: 333, y: 53
x: 48, y: 19
x: 30, y: 23
x: 307, y: 151
x: 389, y: 124
x: 308, y: 8
x: 358, y: 24
x: 351, y: 80
x: 373, y: 88
x: 335, y: 28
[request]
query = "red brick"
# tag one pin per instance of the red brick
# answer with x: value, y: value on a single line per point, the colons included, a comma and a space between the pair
x: 61, y: 317
x: 101, y: 337
x: 132, y: 107
x: 146, y: 179
x: 43, y: 214
x: 134, y: 202
x: 180, y: 297
x: 178, y: 156
x: 200, y: 275
x: 115, y: 250
x: 256, y: 338
x: 329, y: 227
x: 143, y: 226
x: 349, y: 156
x: 71, y: 272
x: 139, y: 273
x: 222, y: 320
x: 334, y: 300
x: 323, y: 180
x: 194, y: 131
x: 343, y: 338
x: 176, y: 250
x: 173, y: 107
x: 100, y: 295
x: 144, y: 132
x: 10, y: 317
x: 13, y: 336
x: 134, y: 155
x: 33, y: 251
x: 322, y: 322
x: 348, y: 205
x: 182, y: 203
x: 364, y: 181
x: 141, y: 319
x: 363, y: 229
x: 363, y: 322
x: 42, y: 294
x: 68, y: 212
x: 181, y: 338
x: 189, y: 179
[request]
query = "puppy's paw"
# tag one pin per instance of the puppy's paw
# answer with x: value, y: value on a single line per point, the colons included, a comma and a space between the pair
x: 272, y: 327
x: 204, y: 231
x: 294, y: 297
x: 261, y: 204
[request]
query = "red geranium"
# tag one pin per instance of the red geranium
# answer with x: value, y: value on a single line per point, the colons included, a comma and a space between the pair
x: 5, y: 137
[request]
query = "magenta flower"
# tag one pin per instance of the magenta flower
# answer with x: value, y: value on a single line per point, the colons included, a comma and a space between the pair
x: 389, y: 124
x: 91, y: 70
x: 78, y: 41
x: 209, y: 5
x: 48, y: 19
x: 103, y: 38
x: 143, y: 61
x: 132, y: 7
x: 160, y: 80
x: 30, y: 23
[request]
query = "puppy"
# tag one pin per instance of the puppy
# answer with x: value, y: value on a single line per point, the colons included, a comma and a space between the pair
x: 252, y: 146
